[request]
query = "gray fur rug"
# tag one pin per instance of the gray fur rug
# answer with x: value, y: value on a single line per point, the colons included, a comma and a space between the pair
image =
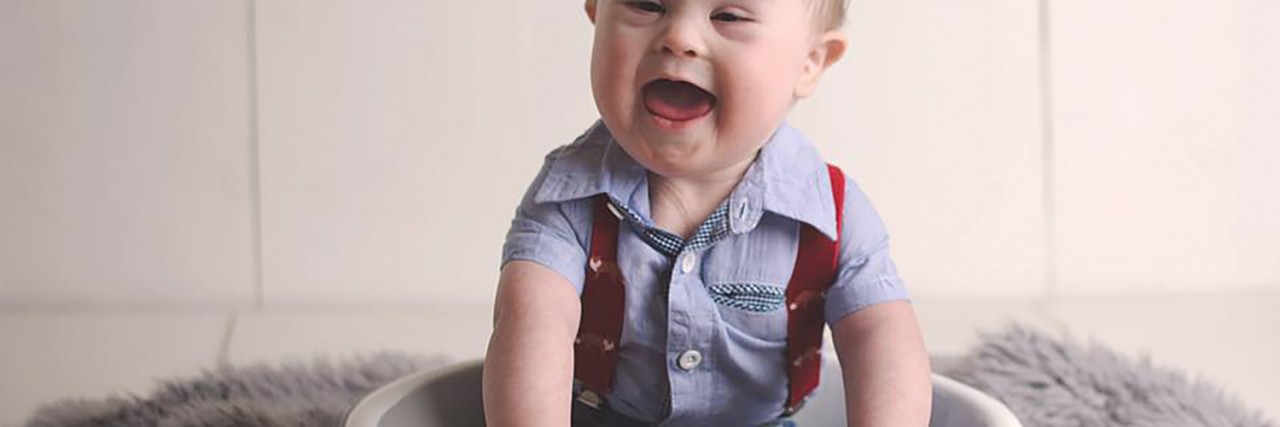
x: 292, y: 395
x: 1047, y: 382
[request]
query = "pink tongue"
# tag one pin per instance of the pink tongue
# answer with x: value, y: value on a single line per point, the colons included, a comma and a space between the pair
x: 677, y: 101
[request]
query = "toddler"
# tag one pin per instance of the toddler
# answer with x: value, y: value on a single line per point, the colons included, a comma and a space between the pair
x: 676, y: 264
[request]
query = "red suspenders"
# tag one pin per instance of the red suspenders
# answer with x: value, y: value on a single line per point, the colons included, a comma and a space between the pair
x: 595, y: 350
x: 814, y: 272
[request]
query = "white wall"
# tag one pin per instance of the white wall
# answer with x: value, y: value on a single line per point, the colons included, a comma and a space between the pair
x: 125, y: 163
x: 285, y: 152
x: 1167, y: 139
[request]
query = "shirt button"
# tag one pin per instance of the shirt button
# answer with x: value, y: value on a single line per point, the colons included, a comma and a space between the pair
x: 743, y: 209
x: 690, y: 260
x: 689, y: 360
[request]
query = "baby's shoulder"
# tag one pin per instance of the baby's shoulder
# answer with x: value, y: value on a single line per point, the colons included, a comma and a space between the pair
x: 589, y: 147
x: 592, y: 164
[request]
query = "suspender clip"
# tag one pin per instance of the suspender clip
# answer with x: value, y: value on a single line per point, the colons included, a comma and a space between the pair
x: 590, y: 398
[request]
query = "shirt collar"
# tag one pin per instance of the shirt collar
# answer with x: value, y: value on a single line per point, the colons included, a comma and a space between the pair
x: 788, y: 178
x: 591, y: 165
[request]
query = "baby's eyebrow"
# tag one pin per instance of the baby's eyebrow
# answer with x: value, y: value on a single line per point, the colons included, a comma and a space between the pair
x: 753, y: 3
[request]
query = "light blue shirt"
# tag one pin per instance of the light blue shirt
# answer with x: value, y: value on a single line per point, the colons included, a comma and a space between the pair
x: 720, y: 299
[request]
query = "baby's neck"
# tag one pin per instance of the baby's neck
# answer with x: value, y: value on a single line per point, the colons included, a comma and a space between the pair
x: 680, y: 205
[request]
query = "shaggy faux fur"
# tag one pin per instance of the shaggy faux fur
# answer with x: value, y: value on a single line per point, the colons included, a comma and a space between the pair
x: 1051, y: 382
x: 1047, y: 382
x: 295, y: 395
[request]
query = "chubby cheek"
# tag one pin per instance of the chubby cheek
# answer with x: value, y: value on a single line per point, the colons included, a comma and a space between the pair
x: 755, y: 102
x: 613, y: 68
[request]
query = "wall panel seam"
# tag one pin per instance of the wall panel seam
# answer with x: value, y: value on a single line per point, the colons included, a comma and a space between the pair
x: 1049, y: 195
x: 255, y: 180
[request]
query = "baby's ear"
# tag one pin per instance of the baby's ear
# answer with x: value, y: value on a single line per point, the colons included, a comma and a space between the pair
x: 828, y: 49
x: 590, y: 6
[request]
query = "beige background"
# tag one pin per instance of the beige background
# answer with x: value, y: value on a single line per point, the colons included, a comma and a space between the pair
x: 190, y: 183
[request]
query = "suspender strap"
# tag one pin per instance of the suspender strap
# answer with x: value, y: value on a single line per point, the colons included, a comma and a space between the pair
x: 595, y: 350
x: 814, y: 272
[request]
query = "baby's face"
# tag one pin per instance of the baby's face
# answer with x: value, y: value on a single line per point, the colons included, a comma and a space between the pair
x: 694, y: 87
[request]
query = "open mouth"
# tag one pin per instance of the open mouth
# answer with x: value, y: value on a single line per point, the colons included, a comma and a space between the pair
x: 677, y: 101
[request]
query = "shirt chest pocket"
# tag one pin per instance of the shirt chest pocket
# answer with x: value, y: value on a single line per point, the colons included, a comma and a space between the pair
x: 755, y: 310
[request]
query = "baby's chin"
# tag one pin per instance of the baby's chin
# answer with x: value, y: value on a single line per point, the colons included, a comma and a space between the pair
x: 681, y: 159
x: 694, y: 151
x: 664, y: 157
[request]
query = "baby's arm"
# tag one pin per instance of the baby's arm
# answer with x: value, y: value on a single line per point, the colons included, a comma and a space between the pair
x: 528, y: 370
x: 886, y: 369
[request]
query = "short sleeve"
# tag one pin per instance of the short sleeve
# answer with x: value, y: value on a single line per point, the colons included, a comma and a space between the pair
x: 865, y: 274
x: 548, y: 234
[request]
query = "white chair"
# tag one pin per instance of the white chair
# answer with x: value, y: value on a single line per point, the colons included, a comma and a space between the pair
x: 451, y: 397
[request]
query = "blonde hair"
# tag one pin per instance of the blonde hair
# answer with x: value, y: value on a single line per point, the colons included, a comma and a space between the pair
x: 830, y: 14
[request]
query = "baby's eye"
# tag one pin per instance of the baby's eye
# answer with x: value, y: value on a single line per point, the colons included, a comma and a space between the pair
x: 646, y: 6
x: 727, y: 17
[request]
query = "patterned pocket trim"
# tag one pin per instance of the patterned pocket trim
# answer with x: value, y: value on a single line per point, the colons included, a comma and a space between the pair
x: 750, y: 297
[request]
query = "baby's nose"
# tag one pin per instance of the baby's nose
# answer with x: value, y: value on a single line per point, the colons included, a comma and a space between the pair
x: 682, y: 39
